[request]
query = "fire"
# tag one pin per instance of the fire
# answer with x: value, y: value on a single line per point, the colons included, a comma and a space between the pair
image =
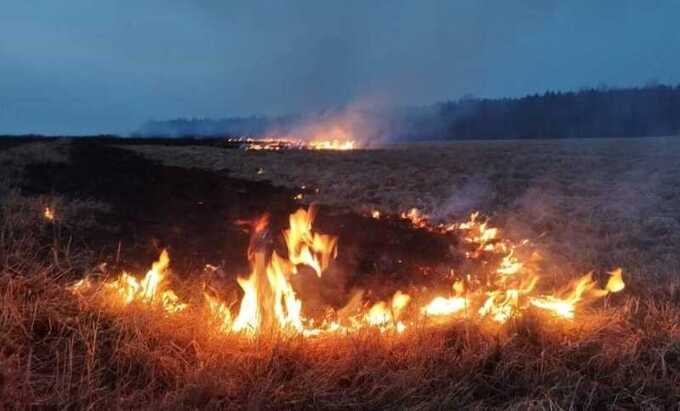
x: 386, y: 317
x: 564, y: 304
x: 268, y: 144
x: 615, y: 282
x: 269, y: 299
x: 511, y: 291
x: 445, y: 306
x: 248, y: 316
x: 415, y: 217
x: 332, y: 145
x: 334, y: 140
x: 308, y: 248
x: 507, y: 287
x: 287, y: 308
x: 48, y: 214
x: 220, y: 311
x: 151, y: 290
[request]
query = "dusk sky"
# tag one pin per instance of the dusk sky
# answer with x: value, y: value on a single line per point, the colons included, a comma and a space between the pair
x: 80, y: 67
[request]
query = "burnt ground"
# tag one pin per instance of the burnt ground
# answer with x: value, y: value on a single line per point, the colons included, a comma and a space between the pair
x: 194, y: 213
x: 13, y: 141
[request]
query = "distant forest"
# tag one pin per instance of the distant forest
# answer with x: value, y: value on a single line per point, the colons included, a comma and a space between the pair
x: 653, y: 110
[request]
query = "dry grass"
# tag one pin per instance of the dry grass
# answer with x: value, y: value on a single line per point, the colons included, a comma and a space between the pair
x: 57, y: 351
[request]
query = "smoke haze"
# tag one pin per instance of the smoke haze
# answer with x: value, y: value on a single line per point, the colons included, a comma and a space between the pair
x: 81, y: 67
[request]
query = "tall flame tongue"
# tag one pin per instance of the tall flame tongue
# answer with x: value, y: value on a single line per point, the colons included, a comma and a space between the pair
x: 306, y: 247
x: 269, y: 299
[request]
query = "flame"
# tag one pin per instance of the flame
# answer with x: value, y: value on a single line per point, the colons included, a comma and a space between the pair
x: 269, y: 299
x: 386, y: 317
x: 220, y: 311
x: 445, y: 306
x: 415, y: 217
x: 308, y: 248
x: 615, y: 282
x: 81, y: 285
x: 335, y: 139
x: 564, y: 306
x: 248, y: 317
x: 505, y: 287
x: 152, y: 290
x: 48, y: 214
x: 332, y: 145
x: 287, y: 307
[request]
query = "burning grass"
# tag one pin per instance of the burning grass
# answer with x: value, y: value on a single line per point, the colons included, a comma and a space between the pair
x: 161, y: 340
x: 333, y: 139
x: 499, y: 286
x: 55, y: 354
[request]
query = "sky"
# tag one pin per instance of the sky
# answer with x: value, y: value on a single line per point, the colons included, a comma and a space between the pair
x: 107, y: 66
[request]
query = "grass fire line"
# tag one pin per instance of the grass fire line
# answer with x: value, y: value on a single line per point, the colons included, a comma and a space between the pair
x: 270, y: 302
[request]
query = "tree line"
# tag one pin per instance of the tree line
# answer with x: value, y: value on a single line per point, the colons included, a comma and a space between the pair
x: 602, y: 112
x: 653, y: 110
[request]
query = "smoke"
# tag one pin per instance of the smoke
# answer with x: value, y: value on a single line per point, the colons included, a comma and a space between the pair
x: 603, y: 205
x: 368, y: 121
x: 475, y: 192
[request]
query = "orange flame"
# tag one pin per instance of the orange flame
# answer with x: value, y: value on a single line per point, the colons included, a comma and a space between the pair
x: 565, y: 305
x: 271, y: 303
x: 308, y: 248
x: 151, y: 290
x: 333, y: 139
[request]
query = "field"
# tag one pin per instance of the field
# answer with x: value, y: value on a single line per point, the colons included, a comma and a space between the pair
x: 586, y: 205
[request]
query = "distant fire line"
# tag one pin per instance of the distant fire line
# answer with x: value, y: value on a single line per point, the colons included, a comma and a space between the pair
x: 280, y: 144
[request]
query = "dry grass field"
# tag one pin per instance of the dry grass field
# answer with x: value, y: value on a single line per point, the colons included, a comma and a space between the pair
x: 592, y: 202
x: 587, y: 205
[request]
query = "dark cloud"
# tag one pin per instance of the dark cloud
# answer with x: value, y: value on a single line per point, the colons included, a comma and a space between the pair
x: 98, y: 66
